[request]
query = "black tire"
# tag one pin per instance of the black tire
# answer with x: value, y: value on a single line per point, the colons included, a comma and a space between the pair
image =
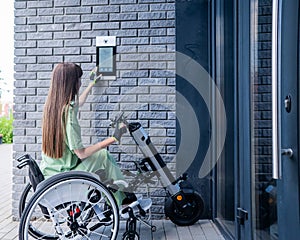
x: 24, y: 199
x: 36, y: 224
x: 181, y: 218
x: 130, y: 236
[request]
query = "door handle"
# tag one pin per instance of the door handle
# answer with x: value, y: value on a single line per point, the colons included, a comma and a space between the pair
x: 276, y: 110
x: 287, y: 152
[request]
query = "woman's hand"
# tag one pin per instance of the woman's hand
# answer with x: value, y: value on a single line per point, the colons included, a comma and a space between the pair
x: 119, y: 131
x: 95, y: 76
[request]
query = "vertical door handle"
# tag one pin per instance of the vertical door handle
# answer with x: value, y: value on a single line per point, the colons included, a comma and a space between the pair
x: 276, y: 110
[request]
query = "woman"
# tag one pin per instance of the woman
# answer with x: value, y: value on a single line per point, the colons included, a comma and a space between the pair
x: 62, y: 148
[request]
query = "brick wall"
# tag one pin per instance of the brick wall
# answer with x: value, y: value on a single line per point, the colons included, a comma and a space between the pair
x: 48, y: 32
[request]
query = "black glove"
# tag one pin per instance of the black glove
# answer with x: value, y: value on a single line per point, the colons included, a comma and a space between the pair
x: 119, y: 131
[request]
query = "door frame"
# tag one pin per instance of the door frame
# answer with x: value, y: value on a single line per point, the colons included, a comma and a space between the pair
x: 243, y: 198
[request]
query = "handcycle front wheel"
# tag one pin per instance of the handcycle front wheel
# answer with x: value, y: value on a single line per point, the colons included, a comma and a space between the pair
x: 70, y: 205
x: 187, y: 215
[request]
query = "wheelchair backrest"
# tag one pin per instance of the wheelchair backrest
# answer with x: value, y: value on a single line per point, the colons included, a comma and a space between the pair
x: 34, y: 172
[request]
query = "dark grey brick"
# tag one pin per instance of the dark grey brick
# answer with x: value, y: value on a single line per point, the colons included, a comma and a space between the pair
x: 24, y: 76
x: 135, y: 24
x: 123, y: 33
x: 39, y: 51
x: 24, y: 91
x: 43, y: 75
x: 122, y: 1
x: 20, y: 36
x: 50, y: 27
x: 24, y: 140
x: 134, y: 57
x: 78, y: 43
x: 151, y: 15
x: 78, y: 59
x: 135, y: 41
x: 162, y: 23
x: 78, y: 10
x: 152, y: 81
x: 25, y: 12
x: 19, y: 84
x: 27, y: 28
x: 66, y: 3
x: 25, y: 44
x: 152, y: 65
x: 39, y: 36
x: 92, y: 34
x: 20, y: 21
x: 40, y: 20
x: 104, y: 25
x: 39, y: 4
x: 49, y: 59
x: 51, y: 43
x: 67, y: 51
x: 35, y: 99
x: 135, y: 8
x: 106, y: 9
x: 152, y: 32
x: 122, y: 16
x: 88, y: 50
x: 94, y: 18
x: 126, y: 65
x: 23, y: 123
x: 20, y: 5
x: 152, y: 48
x: 94, y: 2
x: 162, y: 7
x: 50, y: 11
x: 18, y: 116
x: 162, y: 40
x: 67, y: 35
x: 25, y: 60
x: 20, y: 52
x: 67, y: 19
x: 78, y: 26
x: 152, y: 1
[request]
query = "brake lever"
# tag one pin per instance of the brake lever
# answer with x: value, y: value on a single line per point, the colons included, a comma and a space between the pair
x: 119, y: 119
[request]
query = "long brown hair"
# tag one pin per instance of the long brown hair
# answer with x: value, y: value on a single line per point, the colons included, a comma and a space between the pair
x: 63, y: 89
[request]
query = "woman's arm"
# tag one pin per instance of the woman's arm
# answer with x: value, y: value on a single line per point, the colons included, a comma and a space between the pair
x: 85, y: 93
x: 88, y: 151
x: 94, y: 77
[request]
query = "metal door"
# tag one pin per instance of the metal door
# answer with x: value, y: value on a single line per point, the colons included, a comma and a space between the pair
x: 286, y: 121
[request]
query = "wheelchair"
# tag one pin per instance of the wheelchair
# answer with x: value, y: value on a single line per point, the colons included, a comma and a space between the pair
x: 78, y: 205
x: 70, y: 205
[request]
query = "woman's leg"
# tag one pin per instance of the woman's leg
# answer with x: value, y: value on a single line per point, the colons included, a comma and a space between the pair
x: 103, y: 160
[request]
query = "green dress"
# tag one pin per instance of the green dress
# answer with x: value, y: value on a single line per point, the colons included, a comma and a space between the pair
x: 70, y: 162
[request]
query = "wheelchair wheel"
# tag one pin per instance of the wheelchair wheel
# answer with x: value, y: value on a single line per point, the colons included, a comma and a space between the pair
x: 25, y: 197
x: 71, y: 205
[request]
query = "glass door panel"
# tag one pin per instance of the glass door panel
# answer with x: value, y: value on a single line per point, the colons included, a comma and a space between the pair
x: 263, y: 186
x: 223, y: 38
